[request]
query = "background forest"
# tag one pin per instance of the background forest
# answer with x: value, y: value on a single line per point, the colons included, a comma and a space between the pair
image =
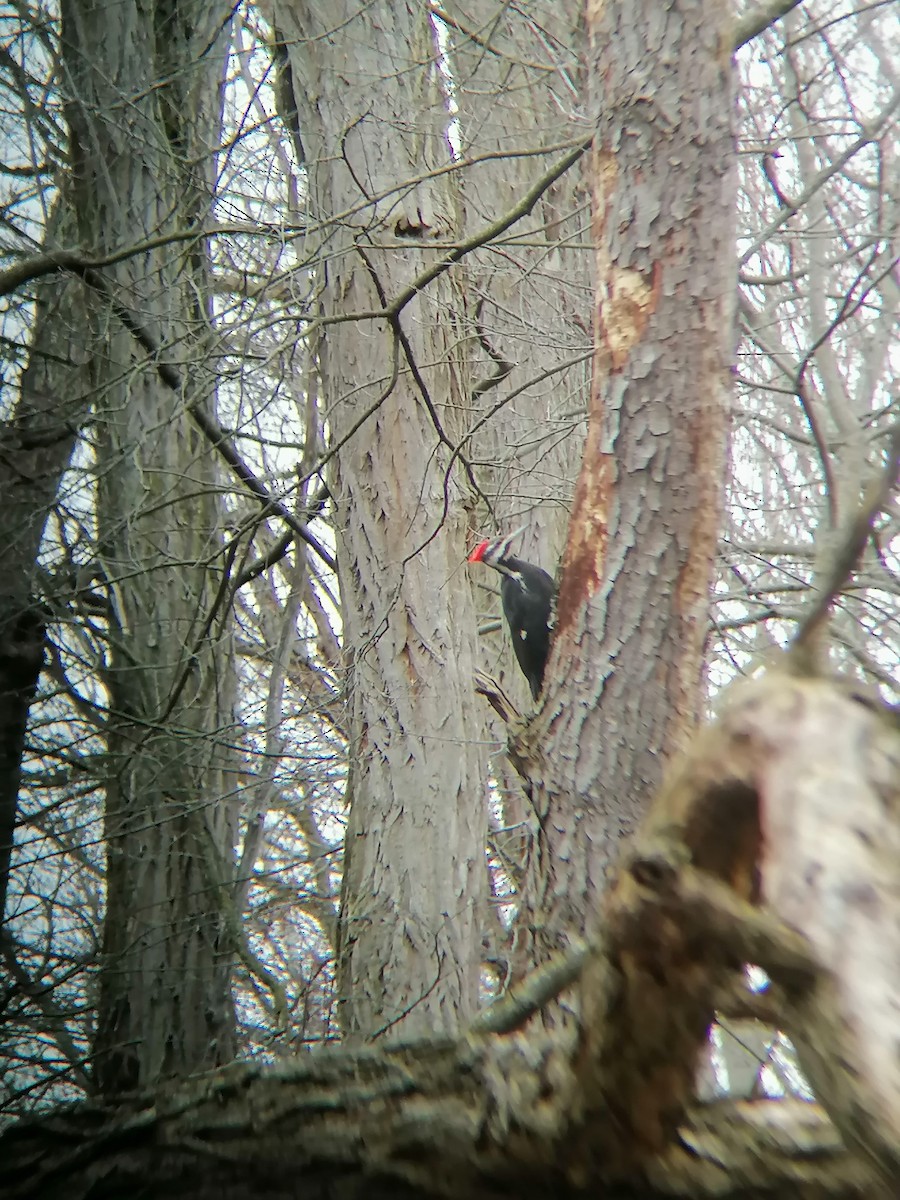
x: 300, y: 301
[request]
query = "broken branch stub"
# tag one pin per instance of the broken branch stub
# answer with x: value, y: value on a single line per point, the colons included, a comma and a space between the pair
x: 792, y: 799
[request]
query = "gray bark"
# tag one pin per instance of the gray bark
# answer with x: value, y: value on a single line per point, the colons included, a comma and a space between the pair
x: 35, y: 447
x: 519, y: 93
x: 396, y: 392
x: 519, y: 90
x: 141, y: 104
x: 626, y: 668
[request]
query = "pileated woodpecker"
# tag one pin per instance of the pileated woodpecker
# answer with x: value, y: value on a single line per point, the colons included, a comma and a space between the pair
x: 529, y: 605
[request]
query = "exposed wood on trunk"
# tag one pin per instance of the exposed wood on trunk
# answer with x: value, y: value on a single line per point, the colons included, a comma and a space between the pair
x: 626, y: 669
x: 830, y: 793
x: 793, y: 798
x: 604, y: 1103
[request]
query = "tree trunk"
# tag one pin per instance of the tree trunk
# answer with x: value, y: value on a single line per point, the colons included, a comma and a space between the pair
x: 598, y: 1107
x: 396, y: 390
x: 642, y: 542
x: 518, y: 102
x: 141, y: 87
x: 518, y: 81
x: 35, y: 447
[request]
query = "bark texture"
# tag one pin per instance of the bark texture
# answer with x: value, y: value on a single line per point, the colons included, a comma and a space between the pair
x: 141, y: 88
x: 35, y: 447
x: 518, y: 82
x: 626, y: 669
x: 374, y: 125
x: 830, y: 795
x: 517, y: 89
x: 599, y: 1106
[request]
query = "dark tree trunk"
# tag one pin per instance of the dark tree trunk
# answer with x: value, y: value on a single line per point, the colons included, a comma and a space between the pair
x: 35, y: 448
x: 22, y: 632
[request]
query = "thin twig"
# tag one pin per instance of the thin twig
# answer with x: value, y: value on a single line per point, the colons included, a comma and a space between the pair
x: 849, y: 550
x: 870, y: 133
x: 207, y: 424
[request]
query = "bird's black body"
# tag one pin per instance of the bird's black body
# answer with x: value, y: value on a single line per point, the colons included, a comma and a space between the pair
x: 528, y: 594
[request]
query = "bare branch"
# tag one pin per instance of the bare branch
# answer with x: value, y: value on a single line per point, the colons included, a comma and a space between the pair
x: 850, y: 549
x: 870, y: 134
x: 758, y: 21
x: 206, y: 423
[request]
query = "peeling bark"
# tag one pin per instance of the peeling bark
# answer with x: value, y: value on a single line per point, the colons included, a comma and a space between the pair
x: 626, y: 669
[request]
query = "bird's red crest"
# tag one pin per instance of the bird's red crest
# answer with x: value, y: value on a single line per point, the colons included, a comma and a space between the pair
x: 478, y: 553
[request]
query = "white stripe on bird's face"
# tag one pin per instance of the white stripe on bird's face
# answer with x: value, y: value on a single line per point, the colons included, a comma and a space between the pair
x: 500, y: 549
x: 494, y: 555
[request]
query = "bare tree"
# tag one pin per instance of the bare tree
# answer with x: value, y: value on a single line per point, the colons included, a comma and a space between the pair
x: 637, y: 572
x: 395, y: 389
x: 818, y: 312
x: 796, y: 771
x: 142, y: 114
